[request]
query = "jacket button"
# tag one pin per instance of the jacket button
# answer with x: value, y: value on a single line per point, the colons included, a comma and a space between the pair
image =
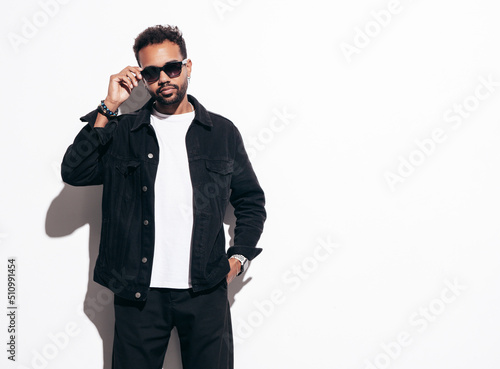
x: 137, y: 295
x: 144, y: 260
x: 150, y: 155
x: 144, y: 188
x: 146, y: 222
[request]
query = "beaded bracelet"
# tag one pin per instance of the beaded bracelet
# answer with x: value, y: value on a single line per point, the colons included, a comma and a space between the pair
x: 103, y: 109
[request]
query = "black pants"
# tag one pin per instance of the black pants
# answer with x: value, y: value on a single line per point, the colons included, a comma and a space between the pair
x: 203, y: 321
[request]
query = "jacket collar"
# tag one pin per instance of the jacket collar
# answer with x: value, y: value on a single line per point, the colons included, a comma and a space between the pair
x: 201, y: 115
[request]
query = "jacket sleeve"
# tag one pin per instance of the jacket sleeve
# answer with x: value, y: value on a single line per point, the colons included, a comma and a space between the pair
x: 82, y: 163
x: 248, y: 201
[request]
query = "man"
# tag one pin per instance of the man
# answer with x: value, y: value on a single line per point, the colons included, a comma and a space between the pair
x: 168, y: 171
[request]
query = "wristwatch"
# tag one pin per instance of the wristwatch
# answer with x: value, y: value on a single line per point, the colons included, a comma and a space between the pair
x: 243, y: 260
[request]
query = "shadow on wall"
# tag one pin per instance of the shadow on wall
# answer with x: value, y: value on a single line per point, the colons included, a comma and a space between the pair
x: 73, y: 208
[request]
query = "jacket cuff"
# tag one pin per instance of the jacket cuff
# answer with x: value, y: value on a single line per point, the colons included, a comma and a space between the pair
x: 105, y: 133
x: 247, y: 251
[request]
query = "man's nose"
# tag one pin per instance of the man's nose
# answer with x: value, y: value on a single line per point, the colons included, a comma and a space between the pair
x: 163, y: 77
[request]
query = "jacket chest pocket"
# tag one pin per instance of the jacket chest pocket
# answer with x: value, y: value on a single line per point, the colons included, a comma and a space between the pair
x: 219, y: 178
x: 127, y: 179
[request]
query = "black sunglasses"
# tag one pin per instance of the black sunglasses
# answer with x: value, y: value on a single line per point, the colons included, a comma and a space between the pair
x: 172, y: 69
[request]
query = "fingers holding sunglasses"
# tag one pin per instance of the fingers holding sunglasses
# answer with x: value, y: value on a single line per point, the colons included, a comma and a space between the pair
x: 133, y: 74
x: 122, y: 84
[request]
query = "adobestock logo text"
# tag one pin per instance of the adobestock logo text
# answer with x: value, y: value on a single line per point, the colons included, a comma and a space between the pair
x: 454, y: 118
x: 31, y: 25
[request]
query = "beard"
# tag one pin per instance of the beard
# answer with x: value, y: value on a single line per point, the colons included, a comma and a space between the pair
x: 172, y: 98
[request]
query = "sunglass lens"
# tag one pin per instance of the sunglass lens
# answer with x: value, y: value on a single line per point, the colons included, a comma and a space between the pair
x: 151, y: 74
x: 173, y: 69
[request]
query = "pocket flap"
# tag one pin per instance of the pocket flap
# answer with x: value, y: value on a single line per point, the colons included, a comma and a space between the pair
x: 128, y: 167
x: 219, y: 166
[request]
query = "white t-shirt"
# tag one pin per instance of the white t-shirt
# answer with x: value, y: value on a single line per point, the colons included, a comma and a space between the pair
x: 173, y: 203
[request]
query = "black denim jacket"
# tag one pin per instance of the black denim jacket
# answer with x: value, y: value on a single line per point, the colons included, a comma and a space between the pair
x: 123, y: 156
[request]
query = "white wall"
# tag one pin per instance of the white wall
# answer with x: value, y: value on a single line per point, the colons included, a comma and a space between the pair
x: 378, y: 154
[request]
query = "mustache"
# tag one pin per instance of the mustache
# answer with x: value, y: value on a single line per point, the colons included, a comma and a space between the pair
x: 158, y: 90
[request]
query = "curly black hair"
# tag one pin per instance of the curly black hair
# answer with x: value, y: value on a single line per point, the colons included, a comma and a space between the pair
x: 157, y: 35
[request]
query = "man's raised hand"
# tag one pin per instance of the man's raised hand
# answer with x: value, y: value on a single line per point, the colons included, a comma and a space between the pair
x: 121, y: 86
x: 119, y: 89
